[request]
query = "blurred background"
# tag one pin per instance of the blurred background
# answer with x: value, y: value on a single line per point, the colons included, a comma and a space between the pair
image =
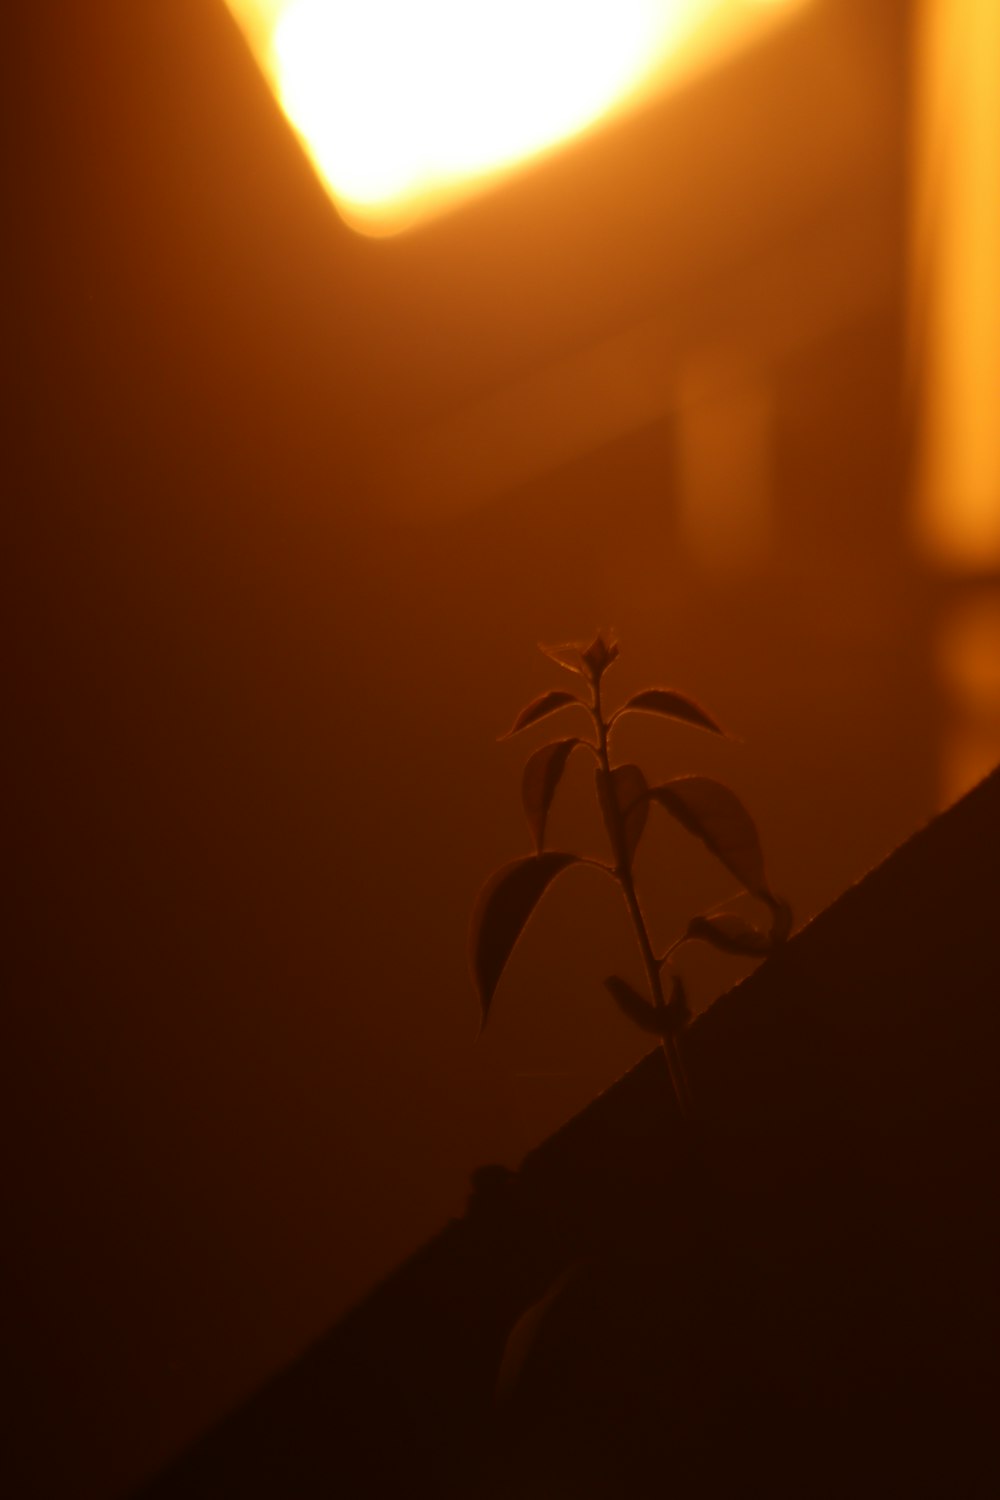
x: 290, y: 505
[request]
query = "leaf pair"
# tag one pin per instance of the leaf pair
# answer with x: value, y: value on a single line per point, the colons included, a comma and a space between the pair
x: 543, y: 773
x: 706, y: 808
x: 662, y: 701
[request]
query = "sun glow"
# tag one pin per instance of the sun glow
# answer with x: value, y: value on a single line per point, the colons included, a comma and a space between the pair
x: 407, y: 105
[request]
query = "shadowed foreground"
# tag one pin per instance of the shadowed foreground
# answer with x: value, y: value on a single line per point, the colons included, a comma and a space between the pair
x: 797, y: 1296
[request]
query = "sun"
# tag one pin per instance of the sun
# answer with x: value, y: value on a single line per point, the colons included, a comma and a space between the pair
x: 406, y: 106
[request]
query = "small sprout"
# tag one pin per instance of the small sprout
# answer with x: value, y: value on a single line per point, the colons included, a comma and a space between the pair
x: 598, y: 657
x: 590, y: 662
x: 706, y: 808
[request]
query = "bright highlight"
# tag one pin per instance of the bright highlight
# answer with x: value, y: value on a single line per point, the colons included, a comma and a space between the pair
x: 406, y: 105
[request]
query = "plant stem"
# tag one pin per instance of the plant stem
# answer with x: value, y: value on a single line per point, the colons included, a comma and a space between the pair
x: 623, y: 874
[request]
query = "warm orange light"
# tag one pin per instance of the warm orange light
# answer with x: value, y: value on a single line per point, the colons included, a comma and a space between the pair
x: 967, y: 658
x: 956, y: 287
x: 406, y: 106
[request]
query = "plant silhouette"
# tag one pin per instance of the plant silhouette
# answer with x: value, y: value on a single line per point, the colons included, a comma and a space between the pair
x: 704, y: 807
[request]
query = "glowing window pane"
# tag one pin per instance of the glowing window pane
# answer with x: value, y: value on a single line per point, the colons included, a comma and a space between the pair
x: 956, y: 281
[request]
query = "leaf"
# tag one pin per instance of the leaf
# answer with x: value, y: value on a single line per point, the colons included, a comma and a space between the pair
x: 539, y: 708
x: 732, y: 934
x: 665, y: 1021
x: 568, y: 656
x: 587, y: 661
x: 542, y: 774
x: 632, y: 805
x: 505, y: 903
x: 672, y: 705
x: 639, y: 1011
x: 714, y: 814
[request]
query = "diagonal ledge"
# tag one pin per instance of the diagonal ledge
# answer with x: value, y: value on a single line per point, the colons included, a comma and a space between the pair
x: 848, y: 1098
